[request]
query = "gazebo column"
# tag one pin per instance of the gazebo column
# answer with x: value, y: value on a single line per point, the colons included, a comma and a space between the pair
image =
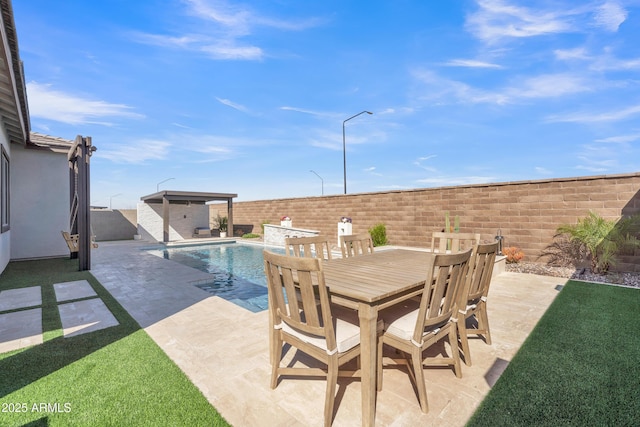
x: 230, y: 216
x: 165, y: 219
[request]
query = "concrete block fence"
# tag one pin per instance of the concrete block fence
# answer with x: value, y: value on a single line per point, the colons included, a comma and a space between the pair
x: 526, y: 212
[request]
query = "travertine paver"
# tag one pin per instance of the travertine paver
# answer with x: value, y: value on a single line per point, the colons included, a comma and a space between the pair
x: 223, y: 348
x: 12, y: 299
x: 20, y: 329
x: 73, y: 290
x: 81, y: 317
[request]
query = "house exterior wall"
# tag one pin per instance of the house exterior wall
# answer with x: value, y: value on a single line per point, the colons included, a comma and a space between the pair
x: 527, y: 212
x: 5, y: 238
x: 183, y: 220
x: 39, y: 203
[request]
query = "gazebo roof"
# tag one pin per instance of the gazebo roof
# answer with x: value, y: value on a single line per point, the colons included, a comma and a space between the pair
x: 186, y: 196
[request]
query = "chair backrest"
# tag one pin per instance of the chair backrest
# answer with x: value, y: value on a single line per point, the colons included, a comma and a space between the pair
x: 480, y: 273
x: 443, y: 242
x: 356, y: 244
x: 299, y: 279
x: 310, y: 247
x: 446, y: 275
x: 72, y: 241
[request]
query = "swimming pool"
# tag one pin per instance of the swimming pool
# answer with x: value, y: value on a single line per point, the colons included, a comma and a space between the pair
x: 236, y: 269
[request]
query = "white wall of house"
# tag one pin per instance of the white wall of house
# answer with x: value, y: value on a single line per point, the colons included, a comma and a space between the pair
x: 39, y: 203
x: 183, y: 220
x: 5, y: 238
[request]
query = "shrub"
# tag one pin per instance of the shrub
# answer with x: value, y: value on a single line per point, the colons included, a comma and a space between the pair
x: 250, y: 236
x: 603, y: 239
x: 378, y: 234
x: 262, y: 225
x: 513, y: 254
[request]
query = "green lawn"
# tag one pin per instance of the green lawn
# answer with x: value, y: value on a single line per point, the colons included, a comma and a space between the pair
x: 113, y: 377
x: 580, y: 366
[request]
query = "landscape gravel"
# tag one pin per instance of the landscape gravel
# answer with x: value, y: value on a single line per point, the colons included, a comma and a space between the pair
x: 626, y: 279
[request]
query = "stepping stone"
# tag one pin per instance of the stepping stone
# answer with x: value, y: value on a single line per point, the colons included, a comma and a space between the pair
x: 73, y: 290
x: 20, y: 329
x: 20, y: 298
x: 81, y: 317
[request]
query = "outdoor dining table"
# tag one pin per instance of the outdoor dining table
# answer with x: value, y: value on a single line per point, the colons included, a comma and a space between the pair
x: 370, y: 283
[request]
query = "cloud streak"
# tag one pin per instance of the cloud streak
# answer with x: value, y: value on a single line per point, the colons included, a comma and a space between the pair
x: 48, y: 103
x: 496, y: 21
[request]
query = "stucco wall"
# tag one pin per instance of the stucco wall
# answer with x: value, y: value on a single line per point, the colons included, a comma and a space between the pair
x: 183, y: 220
x: 39, y: 203
x: 117, y: 224
x: 527, y: 212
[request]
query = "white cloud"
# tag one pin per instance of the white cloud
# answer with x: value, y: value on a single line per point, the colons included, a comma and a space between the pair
x: 471, y: 63
x: 456, y: 180
x: 610, y: 116
x: 543, y: 86
x: 610, y: 16
x: 445, y: 89
x: 50, y: 104
x: 498, y: 19
x: 372, y: 170
x: 621, y: 139
x: 233, y: 105
x: 302, y: 110
x: 136, y: 151
x: 550, y: 86
x: 571, y: 54
x: 222, y: 26
x: 542, y: 171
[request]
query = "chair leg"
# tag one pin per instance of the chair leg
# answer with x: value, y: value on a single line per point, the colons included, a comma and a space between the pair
x: 418, y: 372
x: 332, y: 380
x: 276, y: 355
x: 464, y: 342
x: 484, y: 320
x: 453, y: 343
x: 379, y: 367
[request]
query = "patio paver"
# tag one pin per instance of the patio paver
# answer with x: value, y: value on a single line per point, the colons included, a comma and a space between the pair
x: 73, y: 290
x: 13, y: 299
x: 20, y: 329
x: 81, y: 317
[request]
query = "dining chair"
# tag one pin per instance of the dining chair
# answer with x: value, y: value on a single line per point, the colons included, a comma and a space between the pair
x: 322, y: 331
x: 473, y: 298
x: 356, y: 244
x: 310, y: 247
x: 415, y: 325
x: 443, y: 242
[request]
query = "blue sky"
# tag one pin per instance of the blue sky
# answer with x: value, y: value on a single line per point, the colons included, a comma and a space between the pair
x: 249, y: 97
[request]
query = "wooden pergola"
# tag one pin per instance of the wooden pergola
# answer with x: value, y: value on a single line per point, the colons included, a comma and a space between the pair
x: 167, y: 197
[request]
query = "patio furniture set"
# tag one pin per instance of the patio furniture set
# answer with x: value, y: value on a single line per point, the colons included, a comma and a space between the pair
x: 339, y: 309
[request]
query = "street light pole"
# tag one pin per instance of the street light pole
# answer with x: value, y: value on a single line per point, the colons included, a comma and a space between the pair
x: 111, y: 197
x: 322, y: 180
x: 344, y: 147
x: 158, y: 184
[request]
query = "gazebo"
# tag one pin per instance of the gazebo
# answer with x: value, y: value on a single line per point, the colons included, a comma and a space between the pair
x: 174, y: 210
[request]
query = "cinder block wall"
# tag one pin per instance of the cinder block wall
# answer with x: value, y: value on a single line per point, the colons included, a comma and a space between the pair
x: 526, y: 212
x: 119, y: 224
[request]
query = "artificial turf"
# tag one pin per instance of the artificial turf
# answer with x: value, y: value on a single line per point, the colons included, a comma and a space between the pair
x: 116, y: 376
x: 580, y: 366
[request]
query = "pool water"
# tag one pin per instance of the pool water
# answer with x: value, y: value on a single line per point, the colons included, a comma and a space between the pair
x: 236, y: 269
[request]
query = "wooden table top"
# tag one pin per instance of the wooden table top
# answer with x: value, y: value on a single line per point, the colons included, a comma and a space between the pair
x: 376, y: 277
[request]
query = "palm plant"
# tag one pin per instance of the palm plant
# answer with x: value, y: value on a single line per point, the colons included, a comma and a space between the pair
x: 603, y: 239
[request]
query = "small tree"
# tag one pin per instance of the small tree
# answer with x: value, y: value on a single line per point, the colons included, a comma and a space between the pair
x: 378, y: 234
x: 603, y: 239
